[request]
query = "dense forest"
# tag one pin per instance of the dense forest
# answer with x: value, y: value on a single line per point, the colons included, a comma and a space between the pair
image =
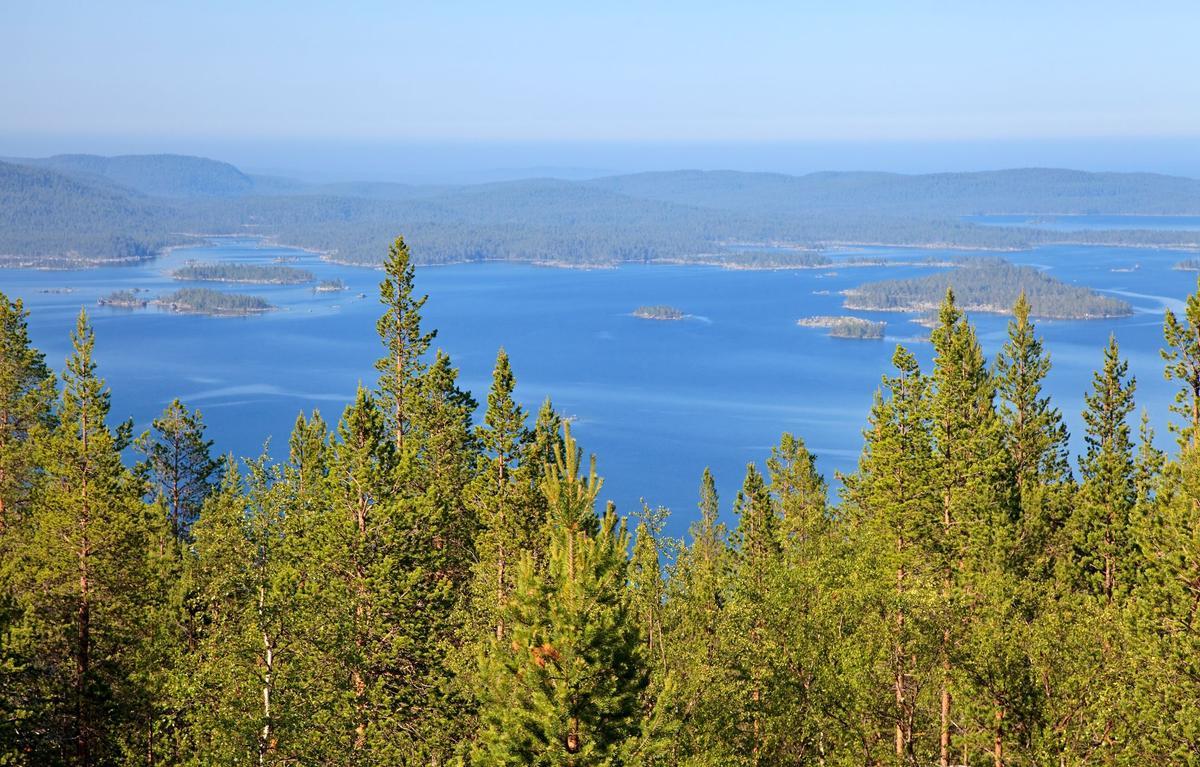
x: 413, y: 585
x: 988, y: 285
x: 81, y: 209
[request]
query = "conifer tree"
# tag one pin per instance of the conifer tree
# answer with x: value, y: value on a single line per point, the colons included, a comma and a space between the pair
x: 179, y: 464
x: 508, y: 515
x: 26, y: 396
x: 1183, y: 364
x: 694, y: 618
x: 82, y: 572
x: 308, y: 452
x: 564, y: 685
x: 1100, y: 524
x: 978, y: 510
x: 406, y: 343
x: 894, y: 510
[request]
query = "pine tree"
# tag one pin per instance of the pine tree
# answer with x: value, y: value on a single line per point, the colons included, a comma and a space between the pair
x: 510, y: 521
x: 308, y: 452
x: 564, y: 685
x: 81, y: 575
x: 1099, y: 526
x: 179, y: 464
x: 894, y: 510
x: 405, y: 341
x: 979, y: 510
x: 694, y: 618
x: 756, y: 559
x: 26, y: 415
x: 26, y: 395
x: 1183, y: 364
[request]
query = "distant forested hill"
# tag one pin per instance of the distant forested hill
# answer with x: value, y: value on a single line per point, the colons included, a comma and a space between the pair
x: 89, y: 208
x: 46, y: 217
x: 157, y: 175
x: 1030, y: 190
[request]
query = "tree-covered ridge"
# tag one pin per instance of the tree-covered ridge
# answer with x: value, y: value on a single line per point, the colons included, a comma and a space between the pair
x: 155, y: 175
x: 208, y: 301
x: 229, y: 271
x: 75, y: 210
x: 988, y: 285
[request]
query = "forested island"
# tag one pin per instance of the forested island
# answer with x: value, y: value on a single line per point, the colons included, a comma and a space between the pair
x: 329, y: 286
x: 226, y: 271
x: 659, y: 312
x: 1188, y: 265
x: 846, y: 326
x: 123, y: 299
x: 988, y: 285
x: 412, y: 585
x: 215, y: 302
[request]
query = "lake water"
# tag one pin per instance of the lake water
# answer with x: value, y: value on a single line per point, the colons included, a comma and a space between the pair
x: 656, y: 401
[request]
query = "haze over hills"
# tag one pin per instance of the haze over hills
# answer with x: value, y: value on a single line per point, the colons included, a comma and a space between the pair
x: 87, y: 208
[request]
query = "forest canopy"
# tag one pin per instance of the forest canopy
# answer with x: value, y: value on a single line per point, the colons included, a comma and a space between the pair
x: 417, y: 583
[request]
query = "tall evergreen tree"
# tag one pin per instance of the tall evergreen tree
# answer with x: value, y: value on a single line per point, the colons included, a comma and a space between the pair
x: 406, y: 343
x: 1100, y: 524
x: 894, y: 509
x: 179, y: 464
x: 26, y: 415
x: 81, y: 579
x: 1183, y: 364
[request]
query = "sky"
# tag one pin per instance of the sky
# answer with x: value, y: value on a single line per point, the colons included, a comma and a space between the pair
x: 277, y: 80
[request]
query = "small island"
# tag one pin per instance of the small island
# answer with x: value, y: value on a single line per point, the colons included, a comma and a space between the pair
x: 1188, y: 265
x: 123, y: 299
x: 214, y: 302
x: 329, y: 286
x: 659, y: 313
x: 259, y: 274
x: 989, y: 285
x: 846, y: 326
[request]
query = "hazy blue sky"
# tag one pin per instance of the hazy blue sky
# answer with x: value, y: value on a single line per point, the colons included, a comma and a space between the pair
x: 691, y: 71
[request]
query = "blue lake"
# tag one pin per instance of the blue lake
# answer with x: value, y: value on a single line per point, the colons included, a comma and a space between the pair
x: 656, y: 401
